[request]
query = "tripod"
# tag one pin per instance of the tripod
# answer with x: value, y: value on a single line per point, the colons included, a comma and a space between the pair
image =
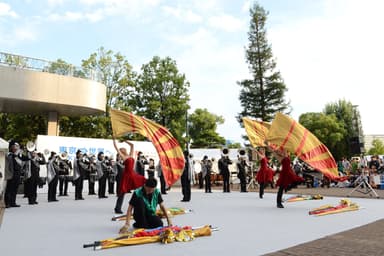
x: 363, y: 186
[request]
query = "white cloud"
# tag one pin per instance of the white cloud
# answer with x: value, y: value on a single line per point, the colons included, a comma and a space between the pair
x: 6, y: 10
x: 183, y: 14
x: 226, y: 22
x: 334, y: 56
x: 53, y: 3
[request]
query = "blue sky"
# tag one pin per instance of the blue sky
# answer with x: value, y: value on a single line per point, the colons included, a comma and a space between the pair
x: 326, y: 50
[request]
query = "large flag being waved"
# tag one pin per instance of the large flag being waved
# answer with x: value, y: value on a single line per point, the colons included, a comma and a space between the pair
x: 288, y: 134
x: 170, y: 153
x: 257, y: 131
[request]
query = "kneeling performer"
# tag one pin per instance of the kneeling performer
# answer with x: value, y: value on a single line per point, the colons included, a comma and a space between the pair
x: 143, y: 205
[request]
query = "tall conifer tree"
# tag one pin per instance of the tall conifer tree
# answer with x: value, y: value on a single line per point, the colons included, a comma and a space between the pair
x: 262, y: 96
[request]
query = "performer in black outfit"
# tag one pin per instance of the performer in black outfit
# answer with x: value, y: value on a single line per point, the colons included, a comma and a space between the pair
x: 79, y: 168
x: 140, y: 163
x: 64, y: 168
x: 52, y: 177
x: 241, y: 167
x: 163, y: 187
x: 223, y: 163
x: 119, y: 169
x: 102, y: 174
x: 186, y: 178
x: 143, y: 204
x: 14, y: 164
x: 33, y: 181
x: 206, y: 168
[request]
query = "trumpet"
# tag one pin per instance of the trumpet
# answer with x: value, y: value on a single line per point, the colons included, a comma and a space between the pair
x: 225, y: 151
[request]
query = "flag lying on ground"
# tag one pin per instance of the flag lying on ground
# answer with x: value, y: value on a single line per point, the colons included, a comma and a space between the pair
x: 345, y: 205
x: 288, y: 134
x: 162, y: 234
x: 257, y: 131
x: 170, y: 153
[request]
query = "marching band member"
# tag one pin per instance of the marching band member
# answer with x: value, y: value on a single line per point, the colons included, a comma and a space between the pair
x: 241, y: 167
x: 119, y: 169
x: 52, y: 177
x: 186, y: 178
x: 79, y: 168
x: 101, y: 168
x: 64, y: 168
x: 14, y: 164
x: 223, y: 163
x: 206, y: 169
x: 33, y: 181
x: 111, y: 174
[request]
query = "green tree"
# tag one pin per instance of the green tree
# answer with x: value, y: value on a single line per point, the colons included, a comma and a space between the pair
x: 264, y: 95
x: 349, y: 115
x: 377, y: 148
x: 202, y: 129
x: 327, y: 128
x: 161, y: 94
x: 22, y: 127
x: 115, y: 72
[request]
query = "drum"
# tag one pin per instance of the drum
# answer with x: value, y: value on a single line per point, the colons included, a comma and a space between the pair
x: 93, y: 177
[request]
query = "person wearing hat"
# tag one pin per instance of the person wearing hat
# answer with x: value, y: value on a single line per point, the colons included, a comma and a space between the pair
x: 143, y: 205
x: 79, y: 168
x: 14, y: 164
x: 206, y: 168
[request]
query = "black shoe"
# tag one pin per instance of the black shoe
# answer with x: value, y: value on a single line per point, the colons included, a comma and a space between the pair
x: 61, y: 195
x: 164, y: 193
x: 7, y: 206
x: 184, y: 200
x: 118, y: 211
x: 280, y: 205
x: 65, y: 195
x: 15, y: 205
x: 35, y: 202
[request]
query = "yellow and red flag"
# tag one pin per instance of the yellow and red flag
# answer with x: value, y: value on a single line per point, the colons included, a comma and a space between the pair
x: 288, y: 134
x: 170, y: 153
x: 257, y: 131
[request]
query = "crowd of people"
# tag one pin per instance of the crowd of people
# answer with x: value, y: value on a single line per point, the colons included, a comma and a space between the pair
x: 139, y: 176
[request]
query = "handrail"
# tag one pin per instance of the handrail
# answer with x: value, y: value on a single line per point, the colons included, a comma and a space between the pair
x: 23, y: 62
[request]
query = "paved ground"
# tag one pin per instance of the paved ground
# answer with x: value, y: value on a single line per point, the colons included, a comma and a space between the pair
x: 248, y: 226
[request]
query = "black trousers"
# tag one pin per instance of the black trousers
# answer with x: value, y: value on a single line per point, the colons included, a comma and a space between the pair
x: 163, y: 186
x: 143, y: 219
x: 79, y: 187
x: 52, y: 189
x: 279, y: 198
x: 102, y: 186
x: 261, y: 189
x: 186, y: 188
x: 31, y: 189
x: 120, y: 196
x: 63, y: 186
x: 111, y: 185
x: 11, y: 190
x: 243, y: 183
x: 91, y: 187
x: 226, y: 182
x: 208, y: 183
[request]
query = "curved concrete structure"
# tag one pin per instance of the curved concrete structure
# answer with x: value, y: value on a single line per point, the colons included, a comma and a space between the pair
x: 28, y: 91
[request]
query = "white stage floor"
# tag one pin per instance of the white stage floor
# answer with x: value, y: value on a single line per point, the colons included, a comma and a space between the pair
x: 248, y: 225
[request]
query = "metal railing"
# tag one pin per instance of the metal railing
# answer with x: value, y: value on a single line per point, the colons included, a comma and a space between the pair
x: 60, y: 68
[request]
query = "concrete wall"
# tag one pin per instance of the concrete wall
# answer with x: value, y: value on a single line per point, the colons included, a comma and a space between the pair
x: 30, y: 91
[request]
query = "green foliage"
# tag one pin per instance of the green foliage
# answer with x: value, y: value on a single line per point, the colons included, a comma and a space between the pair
x: 161, y: 94
x: 264, y: 95
x: 327, y: 128
x: 85, y: 126
x: 349, y: 115
x: 234, y: 145
x: 377, y: 148
x: 115, y: 72
x: 22, y: 127
x: 202, y: 129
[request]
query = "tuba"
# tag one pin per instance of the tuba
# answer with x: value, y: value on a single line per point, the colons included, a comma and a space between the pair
x: 242, y: 154
x: 225, y: 152
x: 31, y: 146
x: 63, y: 155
